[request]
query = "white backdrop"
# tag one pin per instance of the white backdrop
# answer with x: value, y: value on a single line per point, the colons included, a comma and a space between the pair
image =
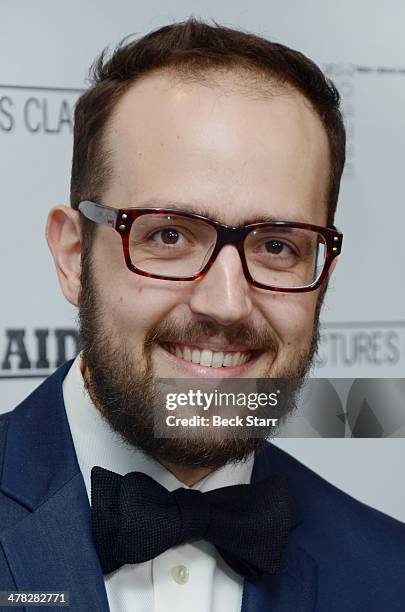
x: 45, y: 51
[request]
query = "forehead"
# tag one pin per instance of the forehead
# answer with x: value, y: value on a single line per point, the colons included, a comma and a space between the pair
x: 218, y: 150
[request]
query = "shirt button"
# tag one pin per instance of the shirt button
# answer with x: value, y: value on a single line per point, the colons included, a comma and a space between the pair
x: 179, y: 574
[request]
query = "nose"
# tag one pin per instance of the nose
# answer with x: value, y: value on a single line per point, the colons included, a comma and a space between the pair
x: 223, y: 294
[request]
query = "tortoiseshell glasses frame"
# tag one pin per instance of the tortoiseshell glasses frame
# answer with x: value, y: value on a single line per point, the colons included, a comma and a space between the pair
x: 122, y: 219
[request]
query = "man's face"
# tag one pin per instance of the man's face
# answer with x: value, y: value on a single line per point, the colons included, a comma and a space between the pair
x: 216, y: 151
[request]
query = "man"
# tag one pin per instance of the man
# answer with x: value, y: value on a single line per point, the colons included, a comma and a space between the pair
x: 186, y: 137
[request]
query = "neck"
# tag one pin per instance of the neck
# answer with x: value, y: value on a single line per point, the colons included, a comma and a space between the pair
x: 187, y: 474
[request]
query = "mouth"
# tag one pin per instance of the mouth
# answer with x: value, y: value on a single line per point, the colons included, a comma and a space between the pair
x: 203, y: 359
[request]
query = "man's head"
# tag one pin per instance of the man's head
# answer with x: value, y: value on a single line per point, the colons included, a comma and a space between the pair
x: 217, y: 122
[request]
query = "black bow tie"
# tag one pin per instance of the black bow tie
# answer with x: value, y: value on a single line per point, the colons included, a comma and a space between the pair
x: 134, y: 519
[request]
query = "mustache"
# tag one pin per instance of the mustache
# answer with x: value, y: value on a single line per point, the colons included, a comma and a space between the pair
x: 262, y: 338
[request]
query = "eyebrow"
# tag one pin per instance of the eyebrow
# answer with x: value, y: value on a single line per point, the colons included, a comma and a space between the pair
x: 196, y: 208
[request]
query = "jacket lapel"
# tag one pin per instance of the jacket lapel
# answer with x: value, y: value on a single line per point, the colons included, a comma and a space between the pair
x: 50, y: 548
x: 294, y: 587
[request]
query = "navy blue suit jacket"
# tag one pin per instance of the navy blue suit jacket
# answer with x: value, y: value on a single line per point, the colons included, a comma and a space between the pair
x: 342, y: 556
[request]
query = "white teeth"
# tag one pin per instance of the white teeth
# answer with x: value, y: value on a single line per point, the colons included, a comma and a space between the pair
x: 208, y: 358
x: 217, y: 359
x: 186, y: 353
x: 228, y: 359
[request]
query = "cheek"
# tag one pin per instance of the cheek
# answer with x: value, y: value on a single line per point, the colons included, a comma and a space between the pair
x: 131, y: 303
x: 291, y: 316
x: 131, y: 300
x: 136, y: 304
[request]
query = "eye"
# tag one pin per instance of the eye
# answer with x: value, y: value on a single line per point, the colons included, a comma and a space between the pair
x: 275, y: 247
x: 278, y: 247
x: 168, y: 236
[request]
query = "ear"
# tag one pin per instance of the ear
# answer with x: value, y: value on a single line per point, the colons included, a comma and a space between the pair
x: 63, y: 235
x: 332, y: 266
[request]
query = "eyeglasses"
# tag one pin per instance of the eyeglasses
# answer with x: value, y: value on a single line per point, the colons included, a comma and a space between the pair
x: 170, y: 244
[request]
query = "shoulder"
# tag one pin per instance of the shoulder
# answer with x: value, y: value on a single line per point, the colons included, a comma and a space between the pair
x: 26, y: 412
x: 319, y: 498
x: 26, y: 437
x: 52, y: 385
x: 350, y: 540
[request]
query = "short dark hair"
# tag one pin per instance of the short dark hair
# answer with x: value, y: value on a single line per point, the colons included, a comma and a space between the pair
x: 192, y: 48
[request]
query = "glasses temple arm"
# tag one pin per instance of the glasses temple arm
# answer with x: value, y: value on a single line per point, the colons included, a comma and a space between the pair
x: 98, y: 213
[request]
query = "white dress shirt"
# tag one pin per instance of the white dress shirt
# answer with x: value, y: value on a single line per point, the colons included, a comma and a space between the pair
x: 192, y: 576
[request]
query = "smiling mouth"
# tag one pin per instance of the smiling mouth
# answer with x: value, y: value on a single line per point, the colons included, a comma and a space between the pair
x: 208, y: 357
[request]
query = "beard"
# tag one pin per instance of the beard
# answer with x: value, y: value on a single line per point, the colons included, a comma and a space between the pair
x: 124, y: 389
